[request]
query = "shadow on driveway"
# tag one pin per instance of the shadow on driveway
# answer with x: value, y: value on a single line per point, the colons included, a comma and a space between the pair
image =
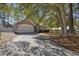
x: 29, y: 33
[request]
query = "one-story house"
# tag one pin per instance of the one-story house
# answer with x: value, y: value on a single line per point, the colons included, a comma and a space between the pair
x: 22, y: 26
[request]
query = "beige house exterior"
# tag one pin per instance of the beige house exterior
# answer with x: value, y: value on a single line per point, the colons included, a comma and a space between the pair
x: 24, y: 26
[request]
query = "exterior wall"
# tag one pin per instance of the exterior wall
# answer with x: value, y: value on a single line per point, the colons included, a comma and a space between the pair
x: 25, y: 28
x: 7, y: 29
x: 0, y: 21
x: 21, y: 27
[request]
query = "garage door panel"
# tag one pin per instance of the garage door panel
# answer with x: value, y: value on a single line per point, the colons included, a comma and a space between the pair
x: 25, y: 29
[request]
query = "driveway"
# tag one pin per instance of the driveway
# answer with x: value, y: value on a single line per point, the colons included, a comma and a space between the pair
x: 33, y: 45
x: 27, y: 38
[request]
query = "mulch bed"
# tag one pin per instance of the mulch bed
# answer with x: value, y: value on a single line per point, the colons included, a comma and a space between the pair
x: 69, y: 42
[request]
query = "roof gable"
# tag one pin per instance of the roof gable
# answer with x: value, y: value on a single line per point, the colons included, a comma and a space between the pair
x: 29, y: 22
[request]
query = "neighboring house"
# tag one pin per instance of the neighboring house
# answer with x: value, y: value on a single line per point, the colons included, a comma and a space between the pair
x: 23, y: 26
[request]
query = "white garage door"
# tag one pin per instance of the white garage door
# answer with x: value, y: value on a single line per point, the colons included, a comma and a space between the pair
x: 25, y: 28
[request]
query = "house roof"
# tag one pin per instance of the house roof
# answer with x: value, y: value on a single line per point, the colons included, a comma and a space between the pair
x: 28, y: 21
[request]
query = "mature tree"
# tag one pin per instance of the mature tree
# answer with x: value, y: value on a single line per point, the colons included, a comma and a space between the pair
x: 38, y: 13
x: 63, y: 19
x: 71, y: 26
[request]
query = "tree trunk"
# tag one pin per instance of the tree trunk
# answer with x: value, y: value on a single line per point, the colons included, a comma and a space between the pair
x: 71, y: 26
x: 16, y: 28
x: 63, y: 20
x: 0, y: 35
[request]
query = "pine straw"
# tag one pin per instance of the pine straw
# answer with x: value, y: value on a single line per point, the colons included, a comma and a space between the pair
x: 69, y: 42
x: 6, y: 37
